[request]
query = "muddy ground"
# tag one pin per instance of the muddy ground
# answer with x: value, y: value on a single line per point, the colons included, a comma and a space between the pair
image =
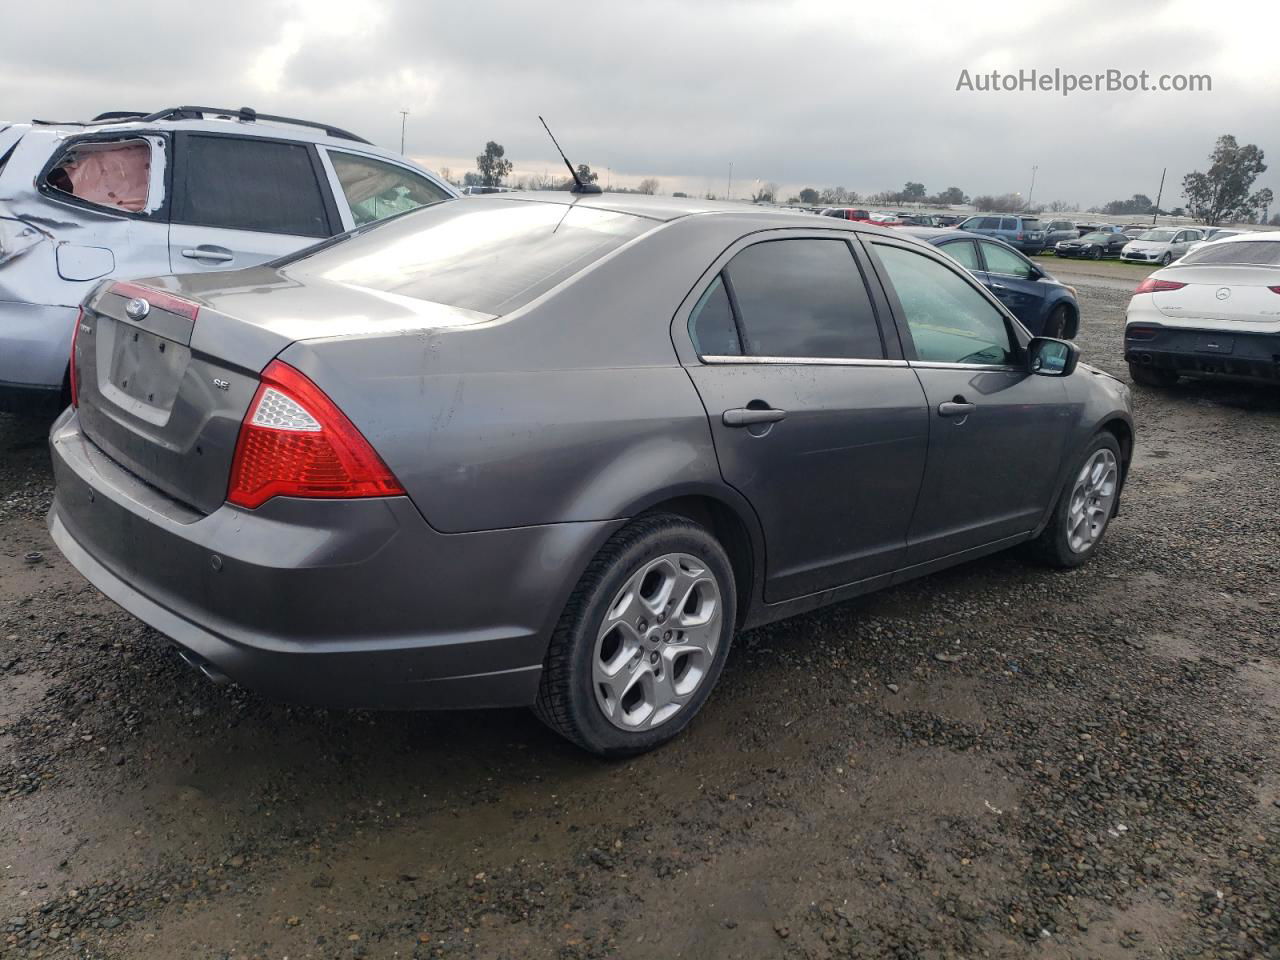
x: 1092, y: 770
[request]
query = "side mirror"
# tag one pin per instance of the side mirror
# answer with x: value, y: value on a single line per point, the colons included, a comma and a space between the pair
x: 1047, y: 357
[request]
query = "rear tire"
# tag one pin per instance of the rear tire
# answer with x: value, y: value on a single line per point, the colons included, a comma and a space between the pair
x: 642, y: 640
x: 1084, y: 508
x: 1152, y: 376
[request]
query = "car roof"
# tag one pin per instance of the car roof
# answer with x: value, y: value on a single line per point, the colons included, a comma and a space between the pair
x: 653, y: 207
x: 933, y: 234
x: 1249, y: 235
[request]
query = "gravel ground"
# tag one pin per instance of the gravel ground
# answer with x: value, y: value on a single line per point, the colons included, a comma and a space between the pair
x: 996, y: 761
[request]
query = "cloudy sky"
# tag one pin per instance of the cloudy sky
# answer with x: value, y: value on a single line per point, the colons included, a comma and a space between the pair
x: 807, y: 93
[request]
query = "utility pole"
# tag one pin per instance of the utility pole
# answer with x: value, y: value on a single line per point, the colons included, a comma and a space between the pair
x: 404, y: 115
x: 728, y: 190
x: 1031, y: 192
x: 1159, y: 194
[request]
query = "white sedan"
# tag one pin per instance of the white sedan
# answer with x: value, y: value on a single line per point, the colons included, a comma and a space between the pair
x: 1214, y: 237
x: 1216, y: 312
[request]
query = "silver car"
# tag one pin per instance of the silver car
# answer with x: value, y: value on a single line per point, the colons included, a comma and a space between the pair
x: 187, y: 189
x: 1162, y: 245
x: 554, y: 450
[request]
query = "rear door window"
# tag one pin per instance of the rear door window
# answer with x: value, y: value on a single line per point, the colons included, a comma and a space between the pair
x: 963, y: 251
x: 245, y: 183
x: 949, y: 321
x: 1009, y: 223
x: 115, y: 174
x: 375, y: 190
x: 803, y: 298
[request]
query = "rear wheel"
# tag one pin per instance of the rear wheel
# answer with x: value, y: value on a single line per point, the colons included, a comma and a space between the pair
x: 1152, y: 376
x: 1084, y: 509
x: 642, y: 640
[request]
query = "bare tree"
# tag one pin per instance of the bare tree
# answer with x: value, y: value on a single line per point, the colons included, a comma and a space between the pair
x: 648, y: 185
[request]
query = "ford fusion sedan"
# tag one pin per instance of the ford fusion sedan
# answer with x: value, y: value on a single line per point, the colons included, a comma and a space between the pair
x: 1044, y: 306
x: 555, y: 450
x: 1094, y: 245
x: 1214, y: 313
x: 1162, y: 245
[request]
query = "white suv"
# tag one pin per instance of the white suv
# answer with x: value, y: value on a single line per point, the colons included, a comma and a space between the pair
x: 183, y: 190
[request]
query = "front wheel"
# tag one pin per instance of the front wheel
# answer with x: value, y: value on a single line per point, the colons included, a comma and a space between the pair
x: 642, y: 640
x: 1096, y: 254
x: 1084, y: 509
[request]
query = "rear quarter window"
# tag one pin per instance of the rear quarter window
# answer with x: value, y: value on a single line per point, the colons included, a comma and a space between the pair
x: 115, y: 174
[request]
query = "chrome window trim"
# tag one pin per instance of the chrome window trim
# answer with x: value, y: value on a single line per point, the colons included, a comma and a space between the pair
x: 941, y: 365
x: 804, y: 361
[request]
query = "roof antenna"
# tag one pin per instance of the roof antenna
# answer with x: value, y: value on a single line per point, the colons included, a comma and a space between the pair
x: 579, y: 186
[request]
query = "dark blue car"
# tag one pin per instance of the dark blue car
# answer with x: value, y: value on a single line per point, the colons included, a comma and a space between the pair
x: 1046, y: 307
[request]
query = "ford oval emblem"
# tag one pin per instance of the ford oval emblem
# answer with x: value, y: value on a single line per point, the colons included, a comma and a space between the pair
x: 137, y: 308
x: 1223, y: 293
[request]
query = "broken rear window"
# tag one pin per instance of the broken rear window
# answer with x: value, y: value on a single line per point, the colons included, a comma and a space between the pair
x: 115, y: 174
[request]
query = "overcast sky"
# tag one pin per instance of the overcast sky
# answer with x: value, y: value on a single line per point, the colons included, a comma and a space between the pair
x: 809, y: 93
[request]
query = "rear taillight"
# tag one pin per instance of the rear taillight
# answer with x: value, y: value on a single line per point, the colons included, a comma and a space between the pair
x: 71, y: 367
x: 295, y: 442
x: 1019, y: 237
x: 1152, y: 285
x: 1274, y: 289
x: 156, y: 298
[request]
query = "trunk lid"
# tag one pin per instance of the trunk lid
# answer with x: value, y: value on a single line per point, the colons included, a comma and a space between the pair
x: 164, y: 395
x: 157, y: 400
x: 1220, y: 292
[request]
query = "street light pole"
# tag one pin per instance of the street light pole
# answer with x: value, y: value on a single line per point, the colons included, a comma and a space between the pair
x: 1159, y: 193
x: 1032, y: 191
x: 728, y: 190
x: 404, y: 115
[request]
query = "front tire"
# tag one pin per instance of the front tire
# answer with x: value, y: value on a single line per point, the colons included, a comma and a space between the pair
x: 1058, y: 323
x: 1096, y: 254
x: 1152, y: 376
x: 642, y: 640
x: 1085, y: 506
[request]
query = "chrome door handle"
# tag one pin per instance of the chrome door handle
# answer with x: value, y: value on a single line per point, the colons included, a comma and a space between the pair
x: 998, y: 286
x: 208, y: 253
x: 956, y: 408
x: 750, y: 416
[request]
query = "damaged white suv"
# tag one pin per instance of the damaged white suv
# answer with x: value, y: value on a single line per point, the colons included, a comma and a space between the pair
x: 182, y: 190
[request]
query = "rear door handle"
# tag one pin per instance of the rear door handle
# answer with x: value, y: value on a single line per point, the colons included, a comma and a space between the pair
x: 750, y: 416
x: 217, y: 254
x: 956, y: 408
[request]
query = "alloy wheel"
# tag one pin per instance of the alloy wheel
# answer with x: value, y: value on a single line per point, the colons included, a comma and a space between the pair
x: 1092, y: 498
x: 657, y: 642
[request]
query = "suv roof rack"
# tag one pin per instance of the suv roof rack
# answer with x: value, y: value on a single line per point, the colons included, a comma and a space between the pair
x: 244, y: 114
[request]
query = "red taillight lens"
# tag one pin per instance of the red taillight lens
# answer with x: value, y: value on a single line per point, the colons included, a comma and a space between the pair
x: 1152, y: 285
x: 295, y: 442
x: 157, y: 298
x: 71, y: 368
x: 1274, y: 289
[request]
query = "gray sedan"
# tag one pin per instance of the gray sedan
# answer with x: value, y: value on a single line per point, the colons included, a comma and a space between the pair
x: 555, y: 450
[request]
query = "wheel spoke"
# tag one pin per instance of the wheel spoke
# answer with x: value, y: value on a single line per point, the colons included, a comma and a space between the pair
x: 1092, y: 498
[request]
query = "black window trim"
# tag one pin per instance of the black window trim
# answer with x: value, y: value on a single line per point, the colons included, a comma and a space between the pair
x: 1019, y: 336
x: 880, y: 307
x: 159, y: 215
x: 178, y: 162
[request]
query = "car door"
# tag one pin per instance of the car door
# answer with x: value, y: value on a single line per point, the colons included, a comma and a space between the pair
x: 239, y: 201
x: 372, y: 188
x: 1014, y: 281
x: 996, y: 432
x: 816, y: 418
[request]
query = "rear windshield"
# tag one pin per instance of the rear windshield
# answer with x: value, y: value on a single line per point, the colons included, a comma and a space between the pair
x: 490, y: 256
x: 1261, y: 252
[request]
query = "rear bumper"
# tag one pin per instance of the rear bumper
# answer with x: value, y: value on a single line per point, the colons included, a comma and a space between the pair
x: 1207, y: 352
x: 344, y: 603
